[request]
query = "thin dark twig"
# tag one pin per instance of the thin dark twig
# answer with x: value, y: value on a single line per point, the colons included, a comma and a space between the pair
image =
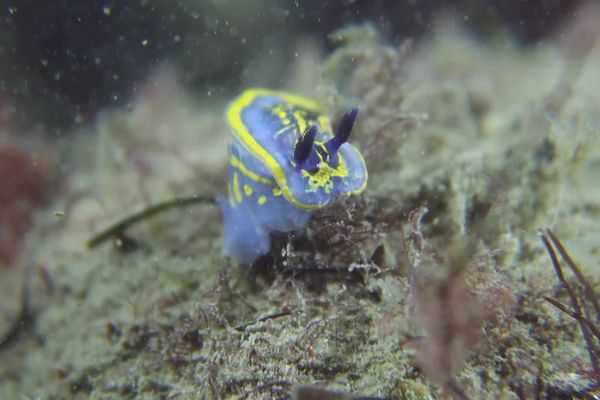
x: 242, y: 327
x: 589, y: 292
x: 120, y: 226
x: 24, y: 321
x: 575, y: 305
x: 331, y: 269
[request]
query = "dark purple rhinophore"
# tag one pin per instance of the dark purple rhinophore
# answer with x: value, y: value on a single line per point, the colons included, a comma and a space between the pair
x: 342, y: 134
x: 304, y: 145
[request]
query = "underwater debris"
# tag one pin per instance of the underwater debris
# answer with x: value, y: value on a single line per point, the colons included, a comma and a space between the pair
x: 585, y: 309
x: 285, y: 162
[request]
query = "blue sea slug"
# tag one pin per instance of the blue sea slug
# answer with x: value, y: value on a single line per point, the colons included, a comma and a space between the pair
x: 285, y: 162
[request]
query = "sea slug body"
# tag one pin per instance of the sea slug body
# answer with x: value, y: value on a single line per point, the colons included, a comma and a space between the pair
x: 285, y: 162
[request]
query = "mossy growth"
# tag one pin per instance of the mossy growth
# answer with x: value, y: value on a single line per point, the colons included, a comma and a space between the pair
x: 429, y: 285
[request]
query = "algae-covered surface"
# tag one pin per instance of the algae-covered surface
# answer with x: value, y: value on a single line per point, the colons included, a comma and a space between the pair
x: 429, y: 285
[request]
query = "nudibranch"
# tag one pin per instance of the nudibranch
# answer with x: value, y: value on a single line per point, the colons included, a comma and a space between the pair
x: 285, y: 162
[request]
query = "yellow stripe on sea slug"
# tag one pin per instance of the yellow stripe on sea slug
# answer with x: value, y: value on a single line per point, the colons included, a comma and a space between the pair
x: 234, y: 116
x: 236, y: 188
x: 300, y: 117
x: 237, y: 163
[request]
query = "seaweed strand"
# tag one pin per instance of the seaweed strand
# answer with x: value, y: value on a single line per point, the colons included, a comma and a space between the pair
x: 589, y: 292
x: 575, y: 303
x: 120, y: 226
